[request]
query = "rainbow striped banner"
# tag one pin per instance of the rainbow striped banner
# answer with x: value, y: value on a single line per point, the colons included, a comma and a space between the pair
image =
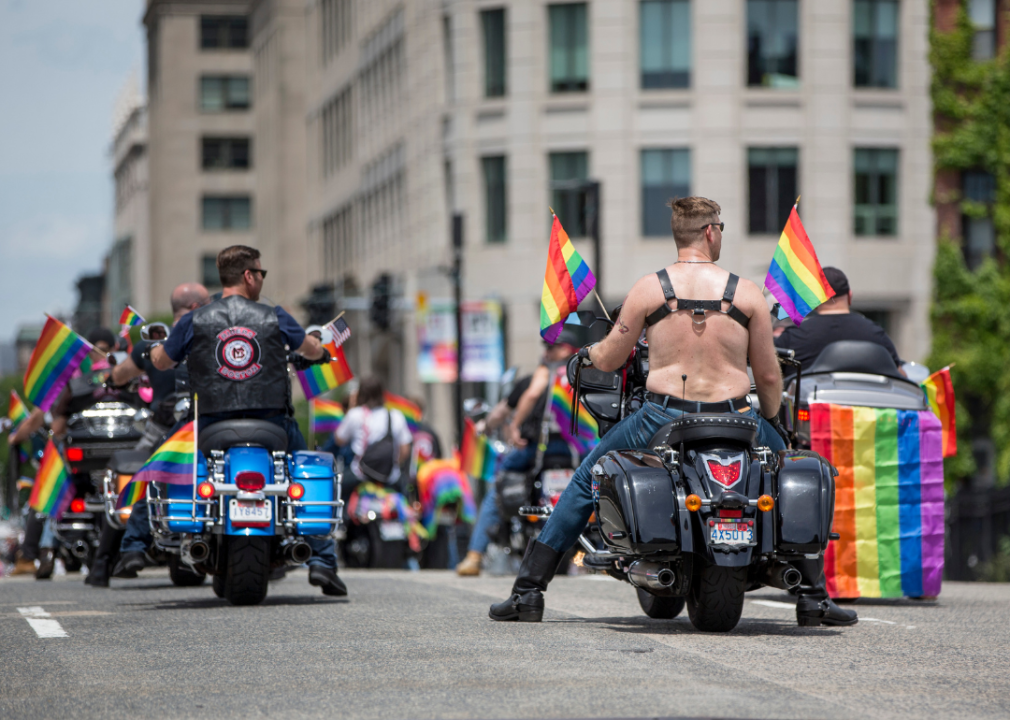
x: 888, y: 500
x: 940, y: 393
x: 128, y: 319
x: 57, y: 354
x: 411, y: 411
x: 795, y: 277
x: 174, y: 462
x: 17, y: 411
x: 567, y: 281
x: 441, y: 483
x: 322, y: 378
x: 52, y: 490
x: 325, y: 416
x: 477, y: 458
x: 132, y: 493
x: 587, y: 431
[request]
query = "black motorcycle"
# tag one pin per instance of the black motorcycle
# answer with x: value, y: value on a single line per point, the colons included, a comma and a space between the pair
x: 702, y: 515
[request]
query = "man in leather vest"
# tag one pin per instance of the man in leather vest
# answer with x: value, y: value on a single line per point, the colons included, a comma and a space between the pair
x: 702, y: 324
x: 235, y: 350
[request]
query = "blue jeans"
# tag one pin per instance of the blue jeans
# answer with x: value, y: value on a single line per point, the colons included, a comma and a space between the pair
x: 518, y: 460
x: 137, y: 537
x: 576, y: 503
x: 48, y: 539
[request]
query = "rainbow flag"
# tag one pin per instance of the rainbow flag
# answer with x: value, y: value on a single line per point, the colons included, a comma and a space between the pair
x: 321, y: 378
x: 57, y: 354
x: 325, y: 416
x: 174, y: 462
x: 441, y: 483
x: 17, y: 411
x: 129, y: 319
x: 888, y: 500
x: 940, y: 393
x: 795, y: 277
x: 567, y: 281
x: 370, y: 501
x: 133, y: 492
x: 587, y: 431
x: 477, y: 458
x: 52, y: 491
x: 411, y: 412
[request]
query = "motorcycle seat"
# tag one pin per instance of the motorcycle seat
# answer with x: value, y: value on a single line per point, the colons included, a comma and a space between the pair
x: 128, y: 462
x: 855, y: 356
x: 246, y: 431
x: 705, y: 427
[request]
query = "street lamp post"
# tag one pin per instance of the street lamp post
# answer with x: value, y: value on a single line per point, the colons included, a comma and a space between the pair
x: 457, y: 280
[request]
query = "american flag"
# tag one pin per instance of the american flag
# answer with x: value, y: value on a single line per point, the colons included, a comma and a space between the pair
x: 340, y: 331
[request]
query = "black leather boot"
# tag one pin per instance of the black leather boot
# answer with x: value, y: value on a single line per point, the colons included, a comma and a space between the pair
x: 47, y: 563
x: 526, y: 604
x: 129, y: 565
x: 327, y: 579
x: 99, y: 573
x: 814, y: 607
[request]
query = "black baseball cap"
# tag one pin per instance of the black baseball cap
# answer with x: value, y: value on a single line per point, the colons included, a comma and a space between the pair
x: 837, y: 280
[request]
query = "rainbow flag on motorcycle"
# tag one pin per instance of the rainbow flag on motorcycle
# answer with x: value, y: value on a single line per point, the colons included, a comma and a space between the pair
x: 174, y: 462
x: 57, y: 354
x: 52, y: 490
x: 477, y: 458
x: 567, y: 281
x: 940, y: 393
x: 561, y: 404
x: 132, y: 493
x: 795, y: 277
x: 441, y: 483
x: 17, y: 411
x: 321, y: 378
x: 324, y: 416
x: 888, y: 500
x: 129, y: 319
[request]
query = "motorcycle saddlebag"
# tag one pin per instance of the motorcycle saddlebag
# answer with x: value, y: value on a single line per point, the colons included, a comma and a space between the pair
x: 314, y: 471
x: 513, y: 492
x: 635, y: 503
x: 183, y: 509
x: 806, y: 503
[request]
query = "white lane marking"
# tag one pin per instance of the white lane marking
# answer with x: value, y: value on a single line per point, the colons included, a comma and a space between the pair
x: 774, y: 604
x: 886, y: 622
x: 42, y: 623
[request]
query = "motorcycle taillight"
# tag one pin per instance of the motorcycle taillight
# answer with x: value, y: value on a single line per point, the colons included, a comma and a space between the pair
x: 75, y: 454
x: 77, y: 505
x: 250, y: 481
x: 726, y: 475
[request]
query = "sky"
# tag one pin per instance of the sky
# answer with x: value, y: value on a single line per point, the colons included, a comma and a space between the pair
x: 62, y: 65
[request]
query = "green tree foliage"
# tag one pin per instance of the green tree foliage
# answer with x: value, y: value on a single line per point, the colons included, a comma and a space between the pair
x: 971, y: 310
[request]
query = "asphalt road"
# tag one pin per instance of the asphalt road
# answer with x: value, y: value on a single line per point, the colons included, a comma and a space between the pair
x: 419, y: 645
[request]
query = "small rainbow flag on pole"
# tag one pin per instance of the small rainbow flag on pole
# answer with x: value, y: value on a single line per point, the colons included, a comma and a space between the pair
x: 57, y: 354
x: 888, y: 500
x: 567, y: 281
x: 325, y: 416
x: 476, y: 456
x: 940, y: 392
x: 132, y: 493
x: 174, y: 462
x: 52, y: 491
x: 587, y: 431
x: 17, y: 411
x: 320, y: 378
x: 129, y: 319
x: 795, y: 277
x: 411, y: 411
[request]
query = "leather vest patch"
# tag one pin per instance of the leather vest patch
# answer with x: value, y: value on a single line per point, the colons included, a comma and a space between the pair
x: 238, y: 353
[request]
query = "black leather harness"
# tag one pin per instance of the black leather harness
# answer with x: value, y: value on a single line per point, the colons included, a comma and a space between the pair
x: 697, y: 307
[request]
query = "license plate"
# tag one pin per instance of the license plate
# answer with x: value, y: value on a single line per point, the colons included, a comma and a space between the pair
x: 390, y: 531
x: 250, y: 511
x: 554, y: 482
x: 731, y: 534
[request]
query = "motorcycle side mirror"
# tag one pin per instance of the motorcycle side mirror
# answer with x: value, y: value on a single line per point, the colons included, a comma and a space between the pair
x: 154, y: 331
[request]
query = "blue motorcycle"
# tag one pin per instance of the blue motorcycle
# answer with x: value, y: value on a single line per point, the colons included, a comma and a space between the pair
x: 250, y: 510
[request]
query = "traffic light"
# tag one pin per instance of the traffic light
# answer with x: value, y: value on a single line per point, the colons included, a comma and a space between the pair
x: 380, y: 312
x: 321, y: 304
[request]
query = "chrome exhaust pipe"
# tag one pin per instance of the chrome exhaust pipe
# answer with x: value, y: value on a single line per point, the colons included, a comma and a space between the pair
x: 79, y: 549
x: 297, y: 552
x: 651, y: 576
x: 782, y: 576
x: 197, y: 552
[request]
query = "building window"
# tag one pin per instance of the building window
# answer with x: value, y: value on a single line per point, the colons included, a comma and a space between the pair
x: 569, y: 51
x: 493, y: 22
x: 336, y: 27
x: 978, y: 188
x: 224, y: 32
x: 209, y: 276
x: 876, y: 177
x: 338, y: 242
x: 338, y: 132
x: 880, y: 317
x: 772, y: 43
x: 219, y: 93
x: 496, y: 198
x: 666, y: 174
x: 226, y: 154
x: 665, y: 33
x: 569, y: 172
x: 875, y: 43
x: 983, y: 17
x: 773, y: 188
x: 227, y: 213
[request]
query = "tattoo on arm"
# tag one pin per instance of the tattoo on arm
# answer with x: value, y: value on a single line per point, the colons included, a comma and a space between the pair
x: 621, y: 327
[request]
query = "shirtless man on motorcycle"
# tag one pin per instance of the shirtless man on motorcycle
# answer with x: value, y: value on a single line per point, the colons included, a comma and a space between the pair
x: 702, y: 324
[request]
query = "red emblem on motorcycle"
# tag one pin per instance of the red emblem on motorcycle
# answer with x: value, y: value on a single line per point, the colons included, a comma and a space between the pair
x: 238, y: 353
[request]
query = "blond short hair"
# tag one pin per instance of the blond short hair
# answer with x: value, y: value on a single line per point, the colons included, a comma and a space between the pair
x: 689, y: 216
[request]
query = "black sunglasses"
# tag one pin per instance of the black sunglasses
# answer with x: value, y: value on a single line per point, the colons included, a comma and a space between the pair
x: 720, y: 225
x: 261, y: 271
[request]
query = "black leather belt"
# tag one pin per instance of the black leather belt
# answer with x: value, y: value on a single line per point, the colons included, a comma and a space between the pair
x: 691, y: 406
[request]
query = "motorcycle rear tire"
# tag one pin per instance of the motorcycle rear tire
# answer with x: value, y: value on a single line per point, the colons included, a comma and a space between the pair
x: 715, y: 602
x: 181, y: 575
x: 218, y: 584
x: 660, y: 608
x: 247, y: 571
